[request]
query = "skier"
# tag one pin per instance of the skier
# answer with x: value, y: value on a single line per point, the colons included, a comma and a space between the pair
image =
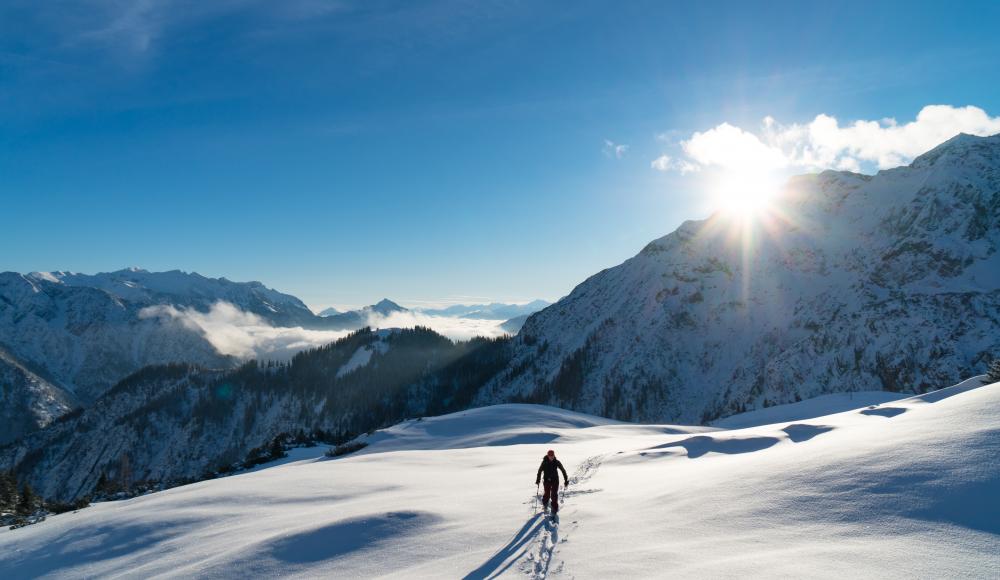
x: 549, y: 466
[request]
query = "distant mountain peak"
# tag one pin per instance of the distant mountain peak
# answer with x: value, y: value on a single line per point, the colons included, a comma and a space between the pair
x: 386, y: 306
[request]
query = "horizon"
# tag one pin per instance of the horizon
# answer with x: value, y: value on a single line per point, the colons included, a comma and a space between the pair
x: 346, y: 152
x: 409, y: 304
x: 448, y: 301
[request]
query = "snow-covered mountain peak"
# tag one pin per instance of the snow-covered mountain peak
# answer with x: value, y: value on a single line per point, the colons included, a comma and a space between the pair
x: 852, y: 282
x: 386, y: 307
x: 962, y: 148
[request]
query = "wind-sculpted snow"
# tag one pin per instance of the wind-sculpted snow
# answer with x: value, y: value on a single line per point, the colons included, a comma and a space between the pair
x: 852, y: 283
x: 844, y: 495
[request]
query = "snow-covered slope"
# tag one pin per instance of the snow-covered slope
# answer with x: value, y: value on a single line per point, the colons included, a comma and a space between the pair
x: 192, y: 290
x: 28, y: 402
x: 852, y: 283
x: 87, y: 338
x: 905, y: 489
x: 84, y: 332
x: 514, y: 325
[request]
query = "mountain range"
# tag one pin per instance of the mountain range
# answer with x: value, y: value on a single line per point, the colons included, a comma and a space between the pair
x: 850, y: 283
x: 491, y: 311
x: 177, y: 423
x: 66, y: 338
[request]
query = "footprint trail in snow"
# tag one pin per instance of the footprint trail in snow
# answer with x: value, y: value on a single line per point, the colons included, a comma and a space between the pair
x: 542, y: 559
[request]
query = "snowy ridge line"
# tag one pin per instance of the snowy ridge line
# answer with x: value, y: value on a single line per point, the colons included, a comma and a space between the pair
x: 885, y: 282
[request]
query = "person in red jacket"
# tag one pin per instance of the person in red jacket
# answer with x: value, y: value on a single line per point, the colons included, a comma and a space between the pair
x: 549, y: 468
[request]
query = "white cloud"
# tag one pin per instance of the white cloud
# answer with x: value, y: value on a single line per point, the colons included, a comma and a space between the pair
x: 662, y: 163
x: 824, y: 144
x: 246, y: 335
x: 668, y: 163
x: 616, y: 150
x: 453, y: 328
x: 730, y: 147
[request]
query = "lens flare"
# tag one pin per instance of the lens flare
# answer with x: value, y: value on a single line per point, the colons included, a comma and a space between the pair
x: 745, y: 193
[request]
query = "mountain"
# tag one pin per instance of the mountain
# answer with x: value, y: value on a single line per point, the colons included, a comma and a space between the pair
x: 28, y: 402
x: 178, y: 422
x: 385, y: 307
x: 80, y: 334
x: 514, y: 325
x: 854, y: 282
x: 86, y: 338
x: 329, y: 312
x: 367, y: 316
x: 492, y: 311
x: 191, y: 290
x: 903, y: 489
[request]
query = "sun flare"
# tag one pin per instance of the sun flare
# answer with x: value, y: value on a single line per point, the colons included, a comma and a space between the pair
x: 745, y: 193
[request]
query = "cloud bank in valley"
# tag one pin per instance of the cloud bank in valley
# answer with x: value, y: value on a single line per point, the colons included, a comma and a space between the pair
x: 824, y: 143
x: 453, y: 328
x: 246, y: 335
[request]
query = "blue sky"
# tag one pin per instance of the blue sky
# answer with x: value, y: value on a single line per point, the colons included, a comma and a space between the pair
x: 439, y: 151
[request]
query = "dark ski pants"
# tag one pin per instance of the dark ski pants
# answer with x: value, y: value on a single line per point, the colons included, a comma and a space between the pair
x: 551, y: 491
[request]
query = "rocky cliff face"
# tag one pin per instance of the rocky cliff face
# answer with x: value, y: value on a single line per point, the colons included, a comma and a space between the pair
x: 851, y: 282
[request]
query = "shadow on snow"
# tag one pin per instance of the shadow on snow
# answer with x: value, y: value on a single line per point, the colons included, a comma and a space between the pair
x: 505, y: 557
x: 345, y: 537
x: 701, y: 444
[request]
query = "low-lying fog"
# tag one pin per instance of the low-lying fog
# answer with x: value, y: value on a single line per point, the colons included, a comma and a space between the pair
x: 247, y: 335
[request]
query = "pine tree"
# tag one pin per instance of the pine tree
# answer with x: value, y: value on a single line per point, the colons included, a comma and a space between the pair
x: 27, y: 502
x: 8, y: 491
x: 103, y: 486
x: 993, y: 375
x: 276, y: 449
x: 125, y: 472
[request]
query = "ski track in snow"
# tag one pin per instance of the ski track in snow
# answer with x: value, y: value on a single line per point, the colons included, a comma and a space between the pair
x: 541, y: 558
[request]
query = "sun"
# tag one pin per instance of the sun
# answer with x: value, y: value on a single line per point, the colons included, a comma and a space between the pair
x: 745, y: 194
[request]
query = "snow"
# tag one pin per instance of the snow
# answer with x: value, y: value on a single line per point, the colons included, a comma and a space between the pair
x: 53, y: 277
x: 849, y: 283
x: 808, y: 409
x: 363, y: 355
x: 909, y: 490
x: 359, y: 359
